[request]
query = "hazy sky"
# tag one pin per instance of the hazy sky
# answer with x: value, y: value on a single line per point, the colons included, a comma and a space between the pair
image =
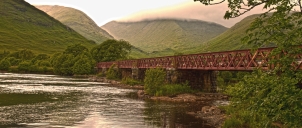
x: 103, y: 11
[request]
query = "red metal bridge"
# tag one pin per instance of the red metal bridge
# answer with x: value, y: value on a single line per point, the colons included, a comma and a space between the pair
x: 239, y: 60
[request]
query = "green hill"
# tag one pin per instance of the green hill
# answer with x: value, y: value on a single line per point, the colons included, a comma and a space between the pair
x: 22, y: 26
x: 78, y: 21
x: 229, y: 40
x: 163, y: 34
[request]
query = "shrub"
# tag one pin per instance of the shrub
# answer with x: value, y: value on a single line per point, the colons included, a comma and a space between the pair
x: 4, y: 65
x: 24, y: 66
x: 13, y: 61
x: 101, y: 74
x: 130, y: 81
x: 113, y: 73
x: 13, y: 69
x: 153, y: 80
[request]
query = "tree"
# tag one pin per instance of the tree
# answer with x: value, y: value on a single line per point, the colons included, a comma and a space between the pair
x: 82, y: 67
x: 4, y: 64
x: 40, y: 57
x: 84, y: 64
x: 270, y: 98
x: 24, y: 66
x: 111, y: 50
x: 13, y: 61
x: 240, y: 7
x: 24, y: 54
x: 74, y: 60
x: 63, y: 64
x: 75, y: 50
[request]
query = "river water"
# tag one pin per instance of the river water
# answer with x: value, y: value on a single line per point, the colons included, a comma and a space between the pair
x: 34, y: 101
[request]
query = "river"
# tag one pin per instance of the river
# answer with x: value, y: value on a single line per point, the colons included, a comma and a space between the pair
x: 38, y: 101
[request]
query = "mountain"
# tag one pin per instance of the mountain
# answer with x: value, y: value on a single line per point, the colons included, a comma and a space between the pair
x: 161, y: 34
x: 22, y: 26
x: 78, y: 21
x: 229, y: 40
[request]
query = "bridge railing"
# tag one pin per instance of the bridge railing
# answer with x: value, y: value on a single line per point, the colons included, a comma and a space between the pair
x: 229, y: 60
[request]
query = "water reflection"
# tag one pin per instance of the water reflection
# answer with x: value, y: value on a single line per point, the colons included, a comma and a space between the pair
x: 29, y: 100
x: 171, y: 115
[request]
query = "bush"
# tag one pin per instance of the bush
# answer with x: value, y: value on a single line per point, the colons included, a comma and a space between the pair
x: 113, y: 73
x: 153, y: 80
x: 130, y: 81
x: 4, y: 65
x: 24, y: 66
x: 13, y: 69
x: 264, y: 98
x: 13, y: 61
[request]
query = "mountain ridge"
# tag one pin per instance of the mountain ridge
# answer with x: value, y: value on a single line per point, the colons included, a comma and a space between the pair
x: 228, y: 40
x: 77, y: 20
x: 159, y: 34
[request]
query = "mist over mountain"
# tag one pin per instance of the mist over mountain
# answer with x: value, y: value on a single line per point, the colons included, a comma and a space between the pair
x: 160, y: 34
x: 190, y: 10
x: 78, y: 21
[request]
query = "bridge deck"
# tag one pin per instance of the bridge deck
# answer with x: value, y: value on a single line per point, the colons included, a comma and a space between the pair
x: 229, y: 60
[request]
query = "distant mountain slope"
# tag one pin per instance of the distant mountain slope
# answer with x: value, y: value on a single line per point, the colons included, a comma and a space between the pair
x: 161, y: 34
x: 78, y: 21
x: 229, y: 40
x: 22, y: 26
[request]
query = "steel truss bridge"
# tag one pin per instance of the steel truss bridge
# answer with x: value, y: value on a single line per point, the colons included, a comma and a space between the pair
x: 240, y: 60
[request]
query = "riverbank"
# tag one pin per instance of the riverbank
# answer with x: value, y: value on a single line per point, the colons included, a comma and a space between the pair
x: 209, y: 111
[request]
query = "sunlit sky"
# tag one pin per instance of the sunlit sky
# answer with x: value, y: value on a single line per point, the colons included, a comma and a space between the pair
x: 103, y: 11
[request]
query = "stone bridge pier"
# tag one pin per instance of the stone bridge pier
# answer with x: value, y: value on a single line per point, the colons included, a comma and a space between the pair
x: 134, y: 73
x: 196, y: 79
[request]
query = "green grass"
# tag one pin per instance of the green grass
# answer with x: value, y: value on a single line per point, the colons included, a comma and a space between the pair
x: 131, y: 82
x: 78, y: 21
x: 22, y: 26
x: 173, y: 89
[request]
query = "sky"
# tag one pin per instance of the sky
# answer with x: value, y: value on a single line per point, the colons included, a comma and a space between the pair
x: 103, y: 11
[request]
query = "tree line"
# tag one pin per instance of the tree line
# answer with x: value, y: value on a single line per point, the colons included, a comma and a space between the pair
x: 74, y: 60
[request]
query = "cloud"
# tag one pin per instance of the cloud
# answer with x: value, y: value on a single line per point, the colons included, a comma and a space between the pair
x: 191, y: 10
